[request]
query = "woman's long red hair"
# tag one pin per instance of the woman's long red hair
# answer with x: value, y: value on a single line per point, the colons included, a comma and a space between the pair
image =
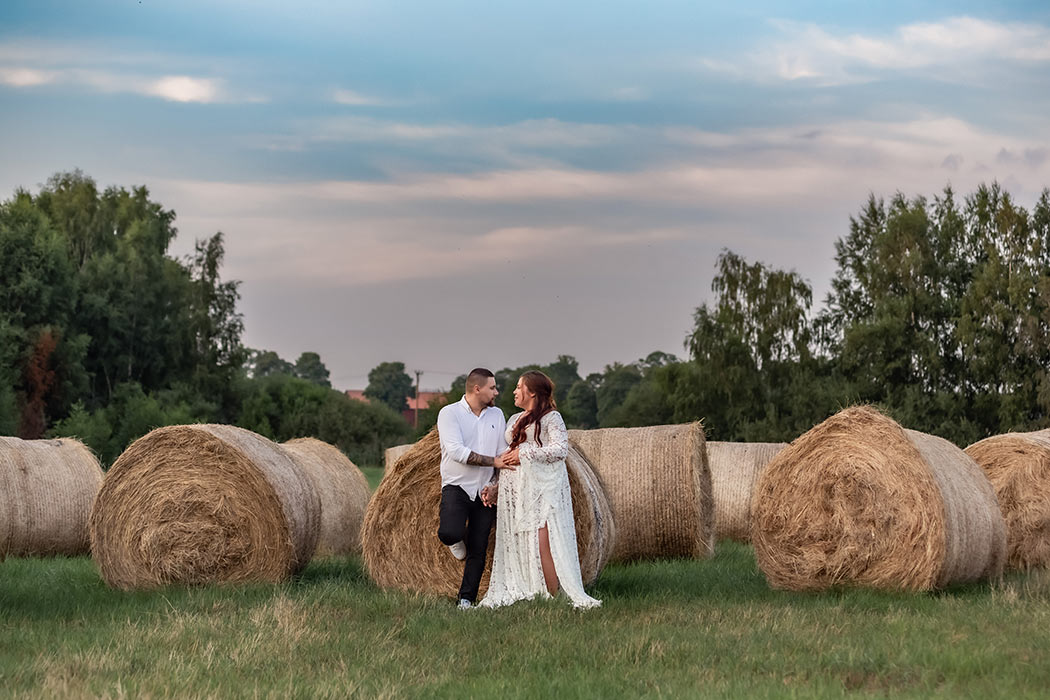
x: 540, y: 384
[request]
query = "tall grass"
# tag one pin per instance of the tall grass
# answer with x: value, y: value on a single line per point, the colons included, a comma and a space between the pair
x: 682, y: 628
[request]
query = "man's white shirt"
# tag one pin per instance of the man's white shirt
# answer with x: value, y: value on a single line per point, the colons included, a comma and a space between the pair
x: 461, y: 432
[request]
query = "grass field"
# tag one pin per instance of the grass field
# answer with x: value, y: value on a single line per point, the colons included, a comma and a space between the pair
x: 680, y: 629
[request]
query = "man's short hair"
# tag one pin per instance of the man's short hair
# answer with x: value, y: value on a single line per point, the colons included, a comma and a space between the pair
x: 477, y: 377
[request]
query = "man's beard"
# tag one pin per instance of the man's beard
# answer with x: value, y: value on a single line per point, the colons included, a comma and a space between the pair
x: 492, y: 403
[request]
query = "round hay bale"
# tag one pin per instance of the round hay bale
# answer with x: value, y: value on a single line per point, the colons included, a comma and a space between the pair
x: 1018, y: 467
x: 343, y: 490
x: 858, y: 500
x: 399, y: 537
x: 658, y: 486
x: 46, y: 491
x: 195, y: 504
x: 392, y: 454
x: 735, y: 467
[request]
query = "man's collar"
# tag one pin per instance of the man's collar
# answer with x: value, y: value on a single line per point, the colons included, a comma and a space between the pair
x: 466, y: 405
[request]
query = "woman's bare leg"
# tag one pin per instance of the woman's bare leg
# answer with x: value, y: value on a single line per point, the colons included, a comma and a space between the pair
x: 550, y: 576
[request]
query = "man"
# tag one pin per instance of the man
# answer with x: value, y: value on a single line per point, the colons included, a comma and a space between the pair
x: 472, y: 439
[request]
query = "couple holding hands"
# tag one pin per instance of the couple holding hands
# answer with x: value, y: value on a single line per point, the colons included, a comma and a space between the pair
x: 511, y: 472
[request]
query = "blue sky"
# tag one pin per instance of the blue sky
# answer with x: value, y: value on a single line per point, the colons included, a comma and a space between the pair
x: 453, y: 184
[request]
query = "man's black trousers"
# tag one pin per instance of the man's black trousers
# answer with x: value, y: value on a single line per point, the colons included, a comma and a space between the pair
x: 467, y: 521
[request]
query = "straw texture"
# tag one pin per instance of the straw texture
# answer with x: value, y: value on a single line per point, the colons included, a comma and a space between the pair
x: 735, y: 467
x: 658, y: 485
x: 1018, y: 467
x: 399, y: 537
x: 858, y: 500
x: 392, y: 454
x: 197, y: 504
x: 46, y: 491
x: 343, y: 490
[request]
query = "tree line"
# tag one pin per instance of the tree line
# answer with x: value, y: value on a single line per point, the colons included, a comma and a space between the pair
x: 104, y: 335
x: 938, y: 312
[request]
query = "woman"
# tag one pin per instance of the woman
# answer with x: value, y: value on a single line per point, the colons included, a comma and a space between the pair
x: 535, y: 532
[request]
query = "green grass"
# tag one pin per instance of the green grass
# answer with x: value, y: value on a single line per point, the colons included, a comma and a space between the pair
x: 373, y: 474
x: 683, y: 628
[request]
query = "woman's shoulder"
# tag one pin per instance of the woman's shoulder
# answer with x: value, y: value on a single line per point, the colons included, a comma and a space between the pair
x: 552, y: 418
x: 514, y: 419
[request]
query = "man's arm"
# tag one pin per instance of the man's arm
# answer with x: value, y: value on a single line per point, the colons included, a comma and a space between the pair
x: 452, y: 440
x: 451, y: 437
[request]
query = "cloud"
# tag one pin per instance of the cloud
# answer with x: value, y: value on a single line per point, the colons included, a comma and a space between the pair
x: 367, y: 251
x: 530, y: 132
x: 776, y: 189
x: 948, y: 49
x: 356, y: 99
x: 183, y: 88
x: 952, y: 162
x: 788, y: 166
x: 26, y: 77
x: 26, y: 64
x: 172, y: 88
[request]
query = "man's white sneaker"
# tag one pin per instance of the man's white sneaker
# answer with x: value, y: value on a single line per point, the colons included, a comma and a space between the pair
x: 463, y: 604
x: 459, y: 550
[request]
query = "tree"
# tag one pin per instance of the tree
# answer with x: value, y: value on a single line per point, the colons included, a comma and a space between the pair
x: 41, y: 354
x: 263, y: 363
x: 582, y: 403
x: 617, y: 381
x: 284, y: 407
x: 216, y: 324
x: 389, y: 384
x: 310, y: 368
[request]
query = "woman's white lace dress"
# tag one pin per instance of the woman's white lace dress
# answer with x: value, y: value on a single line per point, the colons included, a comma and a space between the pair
x: 534, y: 494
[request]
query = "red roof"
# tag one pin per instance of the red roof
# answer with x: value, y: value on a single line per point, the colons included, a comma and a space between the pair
x: 425, y: 397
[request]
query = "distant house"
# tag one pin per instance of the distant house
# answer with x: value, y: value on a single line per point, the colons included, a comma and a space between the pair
x: 425, y: 397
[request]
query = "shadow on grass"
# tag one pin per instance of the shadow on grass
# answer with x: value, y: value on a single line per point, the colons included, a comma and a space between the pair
x: 731, y: 574
x: 342, y: 570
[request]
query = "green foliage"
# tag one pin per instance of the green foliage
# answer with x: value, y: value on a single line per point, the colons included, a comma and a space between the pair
x: 310, y: 368
x: 389, y: 384
x: 263, y: 363
x: 283, y: 407
x: 582, y: 404
x: 940, y: 314
x: 128, y: 416
x: 617, y: 382
x: 8, y: 406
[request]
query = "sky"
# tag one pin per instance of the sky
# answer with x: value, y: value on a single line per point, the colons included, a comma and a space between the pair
x: 487, y: 183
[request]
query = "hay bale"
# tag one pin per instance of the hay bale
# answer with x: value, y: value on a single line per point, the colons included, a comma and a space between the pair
x: 392, y: 454
x: 399, y: 536
x: 659, y: 488
x: 196, y: 504
x: 858, y: 500
x: 343, y: 490
x: 46, y: 491
x: 1018, y: 467
x: 735, y: 467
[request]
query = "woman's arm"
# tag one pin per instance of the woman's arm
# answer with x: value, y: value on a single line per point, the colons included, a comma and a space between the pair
x: 555, y: 449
